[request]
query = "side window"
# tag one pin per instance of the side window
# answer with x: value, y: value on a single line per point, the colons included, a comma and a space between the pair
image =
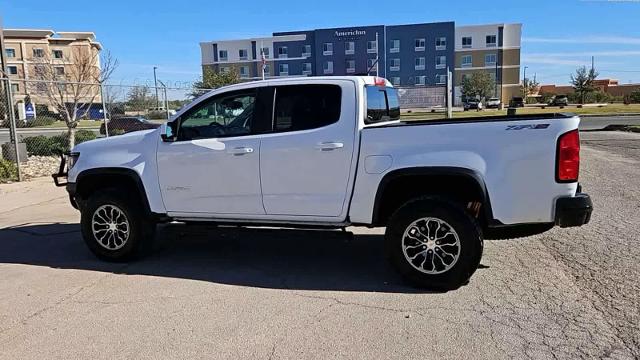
x: 303, y: 107
x: 223, y: 115
x: 382, y: 104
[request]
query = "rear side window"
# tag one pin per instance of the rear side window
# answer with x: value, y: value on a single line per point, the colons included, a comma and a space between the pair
x: 303, y: 107
x: 382, y: 104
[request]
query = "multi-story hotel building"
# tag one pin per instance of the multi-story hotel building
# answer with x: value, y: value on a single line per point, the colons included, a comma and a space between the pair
x: 27, y: 49
x: 407, y: 55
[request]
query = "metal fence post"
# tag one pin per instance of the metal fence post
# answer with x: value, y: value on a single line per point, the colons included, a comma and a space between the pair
x: 104, y: 111
x: 13, y: 135
x: 449, y: 95
x: 166, y: 102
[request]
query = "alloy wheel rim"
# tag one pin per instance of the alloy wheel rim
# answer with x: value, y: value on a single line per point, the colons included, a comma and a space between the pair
x: 431, y: 245
x: 110, y: 227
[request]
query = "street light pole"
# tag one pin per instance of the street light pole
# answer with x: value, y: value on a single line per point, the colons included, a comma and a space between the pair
x: 524, y: 84
x: 155, y: 81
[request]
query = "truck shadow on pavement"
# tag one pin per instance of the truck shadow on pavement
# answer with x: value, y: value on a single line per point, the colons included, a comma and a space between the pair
x: 264, y: 258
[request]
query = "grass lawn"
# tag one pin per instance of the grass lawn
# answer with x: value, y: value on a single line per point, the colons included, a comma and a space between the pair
x: 608, y: 109
x: 81, y: 124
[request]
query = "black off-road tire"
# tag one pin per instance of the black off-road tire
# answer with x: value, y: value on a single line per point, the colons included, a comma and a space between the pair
x: 141, y: 230
x: 465, y: 226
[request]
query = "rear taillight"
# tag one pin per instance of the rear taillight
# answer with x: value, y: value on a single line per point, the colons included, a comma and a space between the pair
x: 568, y: 157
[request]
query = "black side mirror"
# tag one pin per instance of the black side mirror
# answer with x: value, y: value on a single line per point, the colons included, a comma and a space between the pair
x: 170, y: 131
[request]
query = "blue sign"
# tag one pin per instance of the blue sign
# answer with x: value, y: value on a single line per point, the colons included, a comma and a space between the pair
x: 29, y: 111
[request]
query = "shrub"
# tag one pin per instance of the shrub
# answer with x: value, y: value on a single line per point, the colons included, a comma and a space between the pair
x: 157, y: 115
x: 51, y: 146
x: 8, y: 170
x: 634, y: 97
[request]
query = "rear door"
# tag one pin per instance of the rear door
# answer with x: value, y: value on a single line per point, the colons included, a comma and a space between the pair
x: 306, y: 162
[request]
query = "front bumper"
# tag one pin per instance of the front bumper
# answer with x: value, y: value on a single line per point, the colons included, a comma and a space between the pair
x: 573, y: 211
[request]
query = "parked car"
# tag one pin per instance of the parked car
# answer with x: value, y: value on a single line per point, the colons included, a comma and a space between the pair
x: 161, y: 110
x: 126, y: 124
x: 472, y: 104
x: 559, y: 100
x: 493, y: 103
x: 304, y: 153
x: 516, y: 101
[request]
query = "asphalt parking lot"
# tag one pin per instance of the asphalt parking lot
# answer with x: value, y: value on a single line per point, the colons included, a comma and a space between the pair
x: 268, y: 293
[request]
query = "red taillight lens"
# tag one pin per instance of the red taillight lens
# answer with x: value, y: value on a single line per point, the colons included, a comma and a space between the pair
x: 380, y: 81
x: 568, y: 156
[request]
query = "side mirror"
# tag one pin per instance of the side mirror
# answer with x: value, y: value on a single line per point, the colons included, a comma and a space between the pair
x: 169, y: 132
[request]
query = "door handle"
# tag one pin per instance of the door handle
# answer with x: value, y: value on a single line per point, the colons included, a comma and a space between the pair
x: 329, y: 145
x: 241, y: 151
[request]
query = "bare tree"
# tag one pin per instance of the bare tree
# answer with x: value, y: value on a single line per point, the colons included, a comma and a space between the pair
x: 71, y: 85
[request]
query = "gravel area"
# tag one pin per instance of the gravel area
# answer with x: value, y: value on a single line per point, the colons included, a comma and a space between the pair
x: 37, y: 166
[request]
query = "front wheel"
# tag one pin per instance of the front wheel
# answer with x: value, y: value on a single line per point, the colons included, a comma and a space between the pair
x: 114, y: 226
x: 434, y: 243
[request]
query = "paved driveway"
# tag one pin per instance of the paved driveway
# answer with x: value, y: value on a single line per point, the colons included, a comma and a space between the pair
x: 268, y: 293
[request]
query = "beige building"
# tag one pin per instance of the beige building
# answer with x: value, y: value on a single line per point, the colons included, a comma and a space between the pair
x: 494, y: 49
x: 34, y: 54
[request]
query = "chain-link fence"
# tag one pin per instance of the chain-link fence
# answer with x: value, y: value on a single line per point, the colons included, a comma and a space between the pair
x: 41, y: 119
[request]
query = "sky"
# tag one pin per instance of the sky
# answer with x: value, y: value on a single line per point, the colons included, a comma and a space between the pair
x: 557, y: 35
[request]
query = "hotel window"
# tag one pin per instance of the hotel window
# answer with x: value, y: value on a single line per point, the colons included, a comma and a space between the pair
x: 327, y: 49
x: 306, y: 50
x: 441, y: 79
x: 13, y: 70
x: 490, y: 60
x: 243, y: 54
x: 420, y: 63
x: 306, y: 69
x: 464, y: 77
x: 441, y: 43
x: 492, y: 40
x: 328, y: 67
x: 395, y: 46
x: 265, y: 52
x: 467, y: 42
x: 351, y: 66
x: 349, y: 47
x: 38, y: 52
x: 371, y: 63
x: 420, y: 80
x: 395, y: 81
x: 267, y: 69
x: 394, y: 65
x: 11, y: 53
x: 372, y: 47
x: 467, y: 61
x: 283, y: 52
x: 57, y: 54
x: 223, y: 55
x: 59, y: 70
x: 15, y: 88
x: 283, y: 69
x: 441, y: 62
x: 224, y: 69
x: 420, y: 44
x: 244, y: 71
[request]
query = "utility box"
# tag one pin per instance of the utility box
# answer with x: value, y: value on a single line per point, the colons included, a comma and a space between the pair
x: 8, y: 151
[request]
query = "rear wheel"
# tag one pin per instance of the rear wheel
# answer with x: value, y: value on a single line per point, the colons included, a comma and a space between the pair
x: 114, y: 226
x: 434, y: 243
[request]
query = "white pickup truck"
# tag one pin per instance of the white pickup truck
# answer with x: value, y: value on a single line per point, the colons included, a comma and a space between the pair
x: 331, y: 152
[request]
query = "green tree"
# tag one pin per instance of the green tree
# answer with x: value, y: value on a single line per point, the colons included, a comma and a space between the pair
x: 478, y: 85
x: 583, y: 82
x: 529, y: 87
x: 140, y: 98
x: 213, y: 79
x: 635, y: 96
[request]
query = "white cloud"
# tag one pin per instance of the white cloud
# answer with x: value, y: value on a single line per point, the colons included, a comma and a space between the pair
x: 588, y: 54
x: 614, y: 40
x: 550, y: 60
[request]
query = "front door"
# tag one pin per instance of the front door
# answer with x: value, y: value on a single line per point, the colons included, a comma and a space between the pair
x: 306, y: 162
x: 213, y: 166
